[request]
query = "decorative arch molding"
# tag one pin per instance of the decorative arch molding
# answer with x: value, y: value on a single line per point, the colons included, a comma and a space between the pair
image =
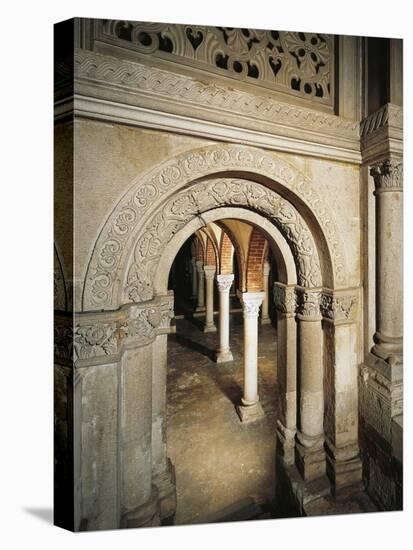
x: 199, y: 198
x: 146, y: 196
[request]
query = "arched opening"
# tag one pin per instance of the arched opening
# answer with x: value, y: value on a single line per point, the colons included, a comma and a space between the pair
x: 224, y: 466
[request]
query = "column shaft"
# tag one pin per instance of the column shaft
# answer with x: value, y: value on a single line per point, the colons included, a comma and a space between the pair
x: 224, y: 284
x: 265, y: 319
x: 201, y: 287
x: 209, y: 316
x: 194, y: 278
x: 250, y: 408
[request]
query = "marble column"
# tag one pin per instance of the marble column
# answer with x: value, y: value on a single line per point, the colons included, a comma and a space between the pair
x: 209, y: 315
x: 201, y: 286
x: 285, y: 303
x: 224, y: 284
x: 265, y: 319
x: 310, y: 453
x: 250, y: 408
x: 194, y: 278
x: 388, y: 181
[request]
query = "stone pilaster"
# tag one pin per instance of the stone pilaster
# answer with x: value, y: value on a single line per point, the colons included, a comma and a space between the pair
x: 201, y: 287
x: 265, y: 319
x: 209, y: 271
x: 285, y: 303
x: 250, y: 408
x: 310, y: 454
x: 339, y: 310
x: 224, y: 284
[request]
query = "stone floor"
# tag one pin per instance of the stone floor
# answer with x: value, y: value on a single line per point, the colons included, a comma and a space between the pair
x: 223, y: 468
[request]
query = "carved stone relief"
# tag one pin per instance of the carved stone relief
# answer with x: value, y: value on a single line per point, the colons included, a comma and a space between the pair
x: 128, y: 219
x: 204, y: 196
x: 291, y: 62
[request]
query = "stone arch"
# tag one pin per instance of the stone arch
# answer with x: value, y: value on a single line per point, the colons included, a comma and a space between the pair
x: 103, y: 278
x: 195, y: 201
x: 237, y: 250
x: 226, y: 254
x: 211, y: 252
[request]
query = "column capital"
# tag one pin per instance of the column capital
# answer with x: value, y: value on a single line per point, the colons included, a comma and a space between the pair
x: 251, y: 302
x: 308, y: 304
x: 284, y: 298
x: 224, y: 282
x: 339, y: 308
x: 209, y: 271
x: 388, y: 175
x: 199, y: 265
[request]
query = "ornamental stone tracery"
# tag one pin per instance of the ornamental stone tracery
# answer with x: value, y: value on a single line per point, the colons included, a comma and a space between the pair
x: 291, y: 62
x: 129, y: 216
x: 204, y: 196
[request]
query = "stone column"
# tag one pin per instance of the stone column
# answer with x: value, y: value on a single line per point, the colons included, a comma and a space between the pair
x: 250, y: 408
x: 209, y: 316
x: 265, y: 319
x: 388, y: 180
x: 285, y: 303
x: 310, y: 454
x: 194, y: 278
x: 201, y: 287
x: 224, y: 284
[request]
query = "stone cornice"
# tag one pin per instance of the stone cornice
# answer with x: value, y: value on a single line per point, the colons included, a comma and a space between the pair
x: 128, y: 92
x: 381, y: 134
x: 90, y: 339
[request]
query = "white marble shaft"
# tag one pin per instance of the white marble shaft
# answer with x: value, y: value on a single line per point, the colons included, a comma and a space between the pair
x: 209, y: 314
x: 224, y: 284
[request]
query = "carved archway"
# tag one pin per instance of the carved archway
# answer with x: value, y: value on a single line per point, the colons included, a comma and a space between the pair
x: 129, y: 220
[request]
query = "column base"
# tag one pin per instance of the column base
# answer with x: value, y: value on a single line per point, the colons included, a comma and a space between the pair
x: 166, y: 485
x: 200, y: 309
x: 310, y: 460
x: 224, y: 357
x: 210, y: 328
x: 344, y: 467
x: 286, y: 443
x: 266, y: 321
x: 250, y: 413
x: 146, y: 515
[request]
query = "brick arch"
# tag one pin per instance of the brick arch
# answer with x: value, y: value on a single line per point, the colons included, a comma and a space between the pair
x: 211, y: 250
x: 226, y: 254
x: 257, y: 249
x: 239, y: 254
x: 199, y: 248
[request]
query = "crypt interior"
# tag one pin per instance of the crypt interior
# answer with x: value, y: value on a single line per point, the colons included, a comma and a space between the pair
x: 228, y: 274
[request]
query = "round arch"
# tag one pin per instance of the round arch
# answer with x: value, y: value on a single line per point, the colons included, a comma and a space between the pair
x: 147, y: 194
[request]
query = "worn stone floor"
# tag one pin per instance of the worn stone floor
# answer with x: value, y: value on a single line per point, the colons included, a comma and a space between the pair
x: 222, y: 467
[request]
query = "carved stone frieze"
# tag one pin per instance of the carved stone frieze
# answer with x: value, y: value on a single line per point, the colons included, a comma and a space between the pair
x: 284, y: 299
x: 126, y: 223
x: 388, y: 175
x: 300, y: 64
x: 204, y: 196
x: 338, y: 308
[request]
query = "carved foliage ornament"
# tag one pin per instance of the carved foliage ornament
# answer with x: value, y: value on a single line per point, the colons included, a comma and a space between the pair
x: 204, y: 196
x: 292, y: 62
x: 127, y: 220
x: 338, y: 308
x: 388, y: 175
x: 308, y: 304
x: 224, y: 282
x: 285, y: 299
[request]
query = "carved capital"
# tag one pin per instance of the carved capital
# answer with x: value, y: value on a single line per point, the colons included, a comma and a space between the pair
x: 251, y: 302
x: 224, y: 282
x: 166, y: 310
x: 200, y: 266
x: 308, y: 304
x: 209, y: 272
x: 284, y: 299
x: 338, y: 308
x: 388, y: 176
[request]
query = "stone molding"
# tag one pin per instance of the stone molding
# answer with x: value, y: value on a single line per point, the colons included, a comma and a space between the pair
x: 388, y: 176
x: 224, y: 282
x: 127, y: 220
x: 388, y: 115
x: 98, y: 338
x: 209, y: 271
x: 124, y: 91
x: 203, y: 196
x: 284, y: 299
x: 251, y: 303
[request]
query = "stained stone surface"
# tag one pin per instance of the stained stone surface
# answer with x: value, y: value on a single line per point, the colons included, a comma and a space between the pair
x: 222, y: 467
